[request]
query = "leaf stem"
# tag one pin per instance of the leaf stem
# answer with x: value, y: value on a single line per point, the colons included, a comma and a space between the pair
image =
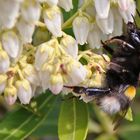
x: 83, y: 7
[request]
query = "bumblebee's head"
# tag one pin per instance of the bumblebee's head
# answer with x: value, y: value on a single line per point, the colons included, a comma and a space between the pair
x: 134, y: 34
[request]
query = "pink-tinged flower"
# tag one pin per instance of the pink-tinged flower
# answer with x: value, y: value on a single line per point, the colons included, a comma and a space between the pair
x: 30, y: 11
x: 4, y: 61
x: 66, y: 4
x: 53, y: 20
x: 10, y: 43
x: 107, y: 24
x: 102, y: 8
x: 9, y: 11
x: 124, y: 4
x: 76, y: 73
x: 10, y: 94
x: 43, y: 53
x: 24, y: 91
x: 127, y: 13
x: 70, y: 45
x: 56, y: 83
x: 26, y: 30
x: 81, y: 28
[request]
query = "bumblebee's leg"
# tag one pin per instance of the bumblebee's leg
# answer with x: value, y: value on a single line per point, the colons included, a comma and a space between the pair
x: 107, y: 48
x: 119, y: 42
x: 91, y: 91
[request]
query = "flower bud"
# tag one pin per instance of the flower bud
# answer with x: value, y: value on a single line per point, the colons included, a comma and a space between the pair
x: 52, y: 2
x: 24, y: 91
x: 43, y: 53
x: 25, y: 30
x: 70, y: 45
x: 66, y: 4
x: 127, y: 14
x: 107, y: 24
x: 31, y: 74
x: 10, y: 94
x: 81, y: 28
x: 102, y: 8
x: 56, y: 83
x: 94, y: 37
x: 10, y: 43
x: 53, y: 21
x: 30, y: 11
x: 76, y: 73
x: 9, y: 11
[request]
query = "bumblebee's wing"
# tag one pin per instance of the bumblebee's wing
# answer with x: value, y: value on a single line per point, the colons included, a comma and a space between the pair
x: 118, y: 118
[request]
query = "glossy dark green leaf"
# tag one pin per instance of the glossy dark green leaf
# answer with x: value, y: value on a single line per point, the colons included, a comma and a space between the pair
x: 49, y: 126
x: 19, y: 124
x: 73, y: 120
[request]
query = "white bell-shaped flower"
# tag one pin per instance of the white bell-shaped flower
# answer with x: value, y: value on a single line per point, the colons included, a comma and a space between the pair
x: 70, y: 45
x: 102, y: 8
x: 118, y: 23
x: 76, y: 73
x: 24, y: 91
x: 10, y: 43
x: 10, y: 94
x: 81, y: 28
x: 4, y: 61
x: 107, y: 24
x: 52, y: 2
x: 9, y: 11
x: 66, y: 4
x: 94, y: 37
x: 53, y: 20
x: 127, y: 14
x: 56, y: 84
x: 44, y: 52
x: 26, y: 30
x: 30, y: 11
x: 44, y: 75
x: 3, y: 80
x: 31, y: 74
x: 124, y: 4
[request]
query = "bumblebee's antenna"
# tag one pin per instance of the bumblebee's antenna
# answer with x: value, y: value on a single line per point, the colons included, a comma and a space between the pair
x: 134, y: 20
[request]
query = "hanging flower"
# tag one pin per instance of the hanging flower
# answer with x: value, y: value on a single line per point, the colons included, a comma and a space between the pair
x: 24, y: 91
x: 70, y: 45
x: 53, y: 20
x: 30, y: 11
x: 9, y: 11
x: 25, y: 30
x: 10, y: 43
x: 10, y: 94
x: 102, y: 8
x: 81, y: 28
x: 66, y: 5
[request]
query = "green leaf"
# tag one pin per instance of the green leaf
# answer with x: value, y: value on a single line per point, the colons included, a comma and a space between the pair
x: 19, y: 124
x: 49, y: 126
x: 73, y: 120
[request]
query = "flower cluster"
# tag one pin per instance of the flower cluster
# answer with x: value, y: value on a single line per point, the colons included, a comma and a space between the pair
x: 103, y: 20
x: 26, y: 70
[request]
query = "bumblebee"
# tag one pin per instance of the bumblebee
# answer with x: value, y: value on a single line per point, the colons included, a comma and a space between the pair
x: 122, y: 74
